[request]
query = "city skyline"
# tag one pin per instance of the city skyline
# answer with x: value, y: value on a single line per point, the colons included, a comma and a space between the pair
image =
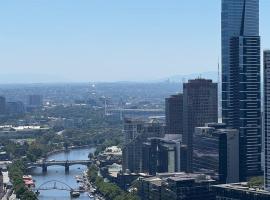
x: 141, y: 41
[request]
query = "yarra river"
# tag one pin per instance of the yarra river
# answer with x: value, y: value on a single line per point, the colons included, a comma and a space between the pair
x: 58, y: 173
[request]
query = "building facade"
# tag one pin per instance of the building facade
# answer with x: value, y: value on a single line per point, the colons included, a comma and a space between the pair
x: 216, y: 152
x: 35, y: 100
x: 266, y: 56
x: 136, y: 133
x: 165, y: 154
x: 174, y: 114
x: 200, y: 102
x: 241, y: 94
x: 2, y: 105
x: 239, y: 191
x: 176, y: 186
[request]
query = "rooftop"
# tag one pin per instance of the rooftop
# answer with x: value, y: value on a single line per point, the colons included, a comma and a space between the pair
x: 243, y: 187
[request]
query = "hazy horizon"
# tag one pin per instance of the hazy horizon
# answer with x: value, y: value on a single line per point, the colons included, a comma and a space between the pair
x: 89, y: 41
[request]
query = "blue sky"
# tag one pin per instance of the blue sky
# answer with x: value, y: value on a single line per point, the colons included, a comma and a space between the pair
x: 98, y: 40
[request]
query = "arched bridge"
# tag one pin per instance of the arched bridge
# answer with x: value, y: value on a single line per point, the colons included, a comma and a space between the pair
x: 55, y: 185
x: 65, y: 163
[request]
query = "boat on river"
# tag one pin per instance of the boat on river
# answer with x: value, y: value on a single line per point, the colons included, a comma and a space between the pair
x: 74, y: 194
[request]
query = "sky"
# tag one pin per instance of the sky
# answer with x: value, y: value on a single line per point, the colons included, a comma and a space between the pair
x: 112, y: 40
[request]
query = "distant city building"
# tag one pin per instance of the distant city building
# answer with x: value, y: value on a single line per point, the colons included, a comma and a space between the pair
x: 200, y: 102
x: 165, y: 154
x: 241, y: 91
x: 35, y: 100
x: 15, y: 108
x: 267, y: 118
x: 176, y: 186
x: 216, y: 152
x: 174, y: 114
x: 136, y: 133
x: 2, y: 105
x: 239, y: 191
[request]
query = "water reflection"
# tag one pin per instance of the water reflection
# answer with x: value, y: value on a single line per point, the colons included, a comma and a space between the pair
x: 58, y: 173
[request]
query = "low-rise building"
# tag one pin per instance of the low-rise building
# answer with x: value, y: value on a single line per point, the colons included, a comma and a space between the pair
x: 216, y: 152
x: 177, y: 186
x: 239, y: 191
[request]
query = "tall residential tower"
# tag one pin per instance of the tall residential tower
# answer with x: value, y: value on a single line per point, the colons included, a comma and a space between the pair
x: 241, y: 96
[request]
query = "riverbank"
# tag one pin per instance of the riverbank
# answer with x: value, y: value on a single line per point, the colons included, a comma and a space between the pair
x: 58, y: 173
x: 69, y: 148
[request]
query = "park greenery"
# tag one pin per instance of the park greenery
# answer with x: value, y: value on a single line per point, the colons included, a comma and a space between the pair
x: 93, y: 129
x: 16, y: 171
x: 256, y: 182
x: 109, y: 190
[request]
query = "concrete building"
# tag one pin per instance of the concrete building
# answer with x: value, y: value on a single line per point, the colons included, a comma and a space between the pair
x: 165, y: 154
x: 216, y: 152
x: 239, y: 191
x: 2, y: 105
x: 136, y: 133
x: 200, y: 100
x: 241, y: 91
x: 174, y: 114
x: 267, y: 118
x: 15, y: 108
x: 176, y: 186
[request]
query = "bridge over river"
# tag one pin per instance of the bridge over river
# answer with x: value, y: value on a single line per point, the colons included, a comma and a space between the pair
x: 64, y: 163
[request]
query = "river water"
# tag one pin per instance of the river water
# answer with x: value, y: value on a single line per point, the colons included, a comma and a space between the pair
x: 58, y: 173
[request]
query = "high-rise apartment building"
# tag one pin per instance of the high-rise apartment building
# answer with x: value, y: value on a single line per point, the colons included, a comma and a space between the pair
x: 241, y: 96
x: 174, y: 114
x: 266, y: 56
x: 200, y: 107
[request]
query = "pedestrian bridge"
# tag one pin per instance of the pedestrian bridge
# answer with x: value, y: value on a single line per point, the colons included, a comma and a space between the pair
x: 64, y: 163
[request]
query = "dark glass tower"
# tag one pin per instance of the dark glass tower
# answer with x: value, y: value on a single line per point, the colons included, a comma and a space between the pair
x: 266, y: 57
x: 241, y: 96
x: 174, y: 114
x: 200, y: 107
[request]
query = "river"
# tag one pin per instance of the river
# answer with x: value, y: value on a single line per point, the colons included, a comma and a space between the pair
x: 58, y: 173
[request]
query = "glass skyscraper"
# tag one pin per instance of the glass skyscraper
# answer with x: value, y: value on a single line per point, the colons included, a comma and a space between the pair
x: 266, y: 57
x: 241, y: 93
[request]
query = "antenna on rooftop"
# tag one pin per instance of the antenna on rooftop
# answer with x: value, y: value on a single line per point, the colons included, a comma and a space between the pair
x: 218, y: 78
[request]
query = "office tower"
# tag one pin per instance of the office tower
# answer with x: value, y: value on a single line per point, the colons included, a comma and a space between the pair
x: 2, y: 105
x: 266, y: 56
x: 174, y: 114
x: 15, y: 108
x: 136, y: 133
x: 216, y: 152
x: 35, y: 100
x: 165, y: 154
x: 200, y: 107
x: 241, y: 94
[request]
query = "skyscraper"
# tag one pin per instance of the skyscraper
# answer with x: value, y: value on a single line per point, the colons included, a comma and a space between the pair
x: 266, y: 56
x: 174, y: 114
x: 241, y: 96
x: 200, y: 107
